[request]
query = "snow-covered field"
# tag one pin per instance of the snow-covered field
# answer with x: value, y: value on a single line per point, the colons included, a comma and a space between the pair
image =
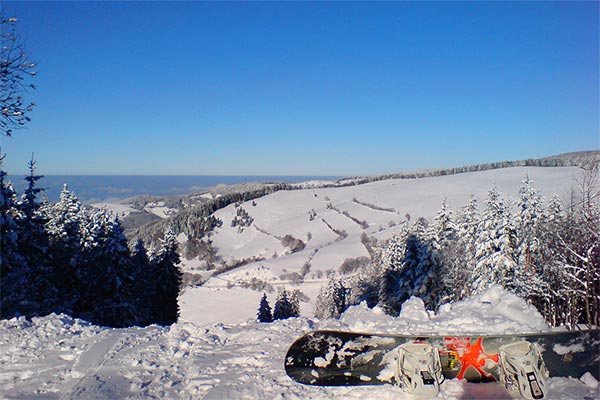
x: 119, y: 210
x: 383, y: 205
x: 59, y: 357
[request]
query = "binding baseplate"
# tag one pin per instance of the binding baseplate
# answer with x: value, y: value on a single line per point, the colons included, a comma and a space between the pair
x: 418, y: 369
x: 522, y: 367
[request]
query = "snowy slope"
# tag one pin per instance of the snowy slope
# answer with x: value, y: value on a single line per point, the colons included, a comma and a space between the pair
x: 58, y: 357
x: 383, y: 205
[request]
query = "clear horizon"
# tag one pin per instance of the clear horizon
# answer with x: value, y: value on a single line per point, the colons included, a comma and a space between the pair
x: 95, y: 188
x: 304, y: 89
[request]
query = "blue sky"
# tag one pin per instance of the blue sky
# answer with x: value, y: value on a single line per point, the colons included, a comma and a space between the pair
x: 227, y: 88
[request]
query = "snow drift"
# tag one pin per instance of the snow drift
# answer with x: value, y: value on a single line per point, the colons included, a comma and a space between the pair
x: 60, y: 357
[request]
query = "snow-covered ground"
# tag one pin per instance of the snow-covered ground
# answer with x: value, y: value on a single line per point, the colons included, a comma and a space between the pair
x: 119, y: 210
x: 159, y: 209
x: 317, y: 216
x: 59, y: 357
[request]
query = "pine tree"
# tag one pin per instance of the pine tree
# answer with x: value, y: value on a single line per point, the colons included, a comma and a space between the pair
x: 264, y: 310
x: 528, y: 283
x: 420, y: 274
x: 295, y: 303
x: 64, y: 230
x: 495, y: 252
x: 33, y: 245
x: 30, y: 204
x: 105, y: 271
x: 443, y: 241
x: 167, y: 280
x: 13, y: 267
x: 65, y: 215
x: 140, y: 254
x: 142, y: 298
x: 410, y: 269
x: 443, y: 230
x: 284, y: 306
x: 392, y: 263
x: 9, y: 257
x: 408, y: 273
x: 331, y: 302
x: 429, y: 275
x: 365, y: 285
x: 462, y: 256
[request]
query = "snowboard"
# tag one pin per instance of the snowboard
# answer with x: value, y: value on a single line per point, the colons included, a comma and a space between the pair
x: 337, y: 358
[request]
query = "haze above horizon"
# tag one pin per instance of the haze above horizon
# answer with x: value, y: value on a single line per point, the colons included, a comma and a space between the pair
x: 195, y: 88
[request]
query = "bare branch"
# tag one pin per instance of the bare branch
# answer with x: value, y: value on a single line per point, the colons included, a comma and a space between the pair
x: 15, y: 72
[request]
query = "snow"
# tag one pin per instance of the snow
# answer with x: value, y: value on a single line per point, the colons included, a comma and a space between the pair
x: 60, y: 357
x: 313, y: 184
x: 159, y: 209
x: 493, y: 311
x: 223, y: 301
x: 574, y: 348
x: 288, y: 212
x: 120, y: 210
x: 589, y: 380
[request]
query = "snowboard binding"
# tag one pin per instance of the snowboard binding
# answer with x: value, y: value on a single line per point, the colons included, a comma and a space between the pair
x: 522, y: 367
x: 418, y: 369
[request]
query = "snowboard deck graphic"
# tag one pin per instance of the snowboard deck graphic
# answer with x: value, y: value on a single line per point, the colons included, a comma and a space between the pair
x: 337, y: 358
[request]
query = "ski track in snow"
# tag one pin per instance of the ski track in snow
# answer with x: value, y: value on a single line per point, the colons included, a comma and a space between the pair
x: 89, y: 363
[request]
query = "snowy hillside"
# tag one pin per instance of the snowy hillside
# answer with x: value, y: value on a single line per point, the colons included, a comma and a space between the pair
x: 330, y: 222
x: 59, y: 357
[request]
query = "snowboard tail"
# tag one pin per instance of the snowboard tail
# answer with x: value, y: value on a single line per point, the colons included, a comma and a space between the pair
x: 335, y: 358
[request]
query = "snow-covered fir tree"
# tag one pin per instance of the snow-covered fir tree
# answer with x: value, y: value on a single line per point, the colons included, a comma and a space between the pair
x: 392, y: 262
x: 443, y: 229
x: 410, y: 263
x: 295, y: 302
x: 417, y: 274
x: 105, y: 270
x: 13, y: 269
x: 422, y: 268
x: 142, y: 273
x: 65, y: 216
x: 167, y: 277
x: 528, y: 221
x: 33, y: 239
x: 285, y: 305
x: 365, y: 285
x: 9, y: 256
x: 34, y: 243
x: 461, y: 255
x: 495, y: 260
x: 264, y: 310
x: 67, y: 258
x: 331, y: 302
x: 64, y: 230
x: 139, y: 254
x: 442, y: 234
